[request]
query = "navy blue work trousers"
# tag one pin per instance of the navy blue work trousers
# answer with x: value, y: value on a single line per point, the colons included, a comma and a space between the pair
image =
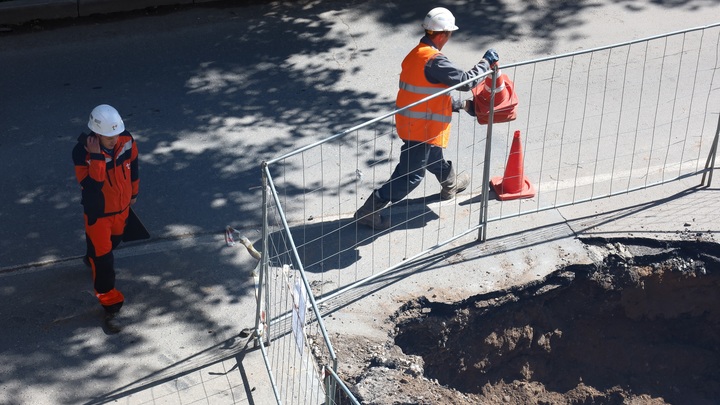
x: 415, y: 159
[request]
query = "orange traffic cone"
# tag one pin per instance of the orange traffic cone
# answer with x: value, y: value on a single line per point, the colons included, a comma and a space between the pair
x: 505, y: 102
x: 514, y: 184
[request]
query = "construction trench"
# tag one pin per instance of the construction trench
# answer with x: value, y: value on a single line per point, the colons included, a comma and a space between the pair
x: 641, y: 325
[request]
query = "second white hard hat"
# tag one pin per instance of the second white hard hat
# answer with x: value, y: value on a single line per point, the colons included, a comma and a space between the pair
x: 439, y: 19
x: 106, y: 121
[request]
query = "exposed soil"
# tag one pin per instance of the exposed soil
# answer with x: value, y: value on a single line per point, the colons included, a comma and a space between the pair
x: 640, y: 327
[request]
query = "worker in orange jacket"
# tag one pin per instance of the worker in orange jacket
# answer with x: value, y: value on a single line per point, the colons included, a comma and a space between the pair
x: 106, y: 166
x: 425, y: 128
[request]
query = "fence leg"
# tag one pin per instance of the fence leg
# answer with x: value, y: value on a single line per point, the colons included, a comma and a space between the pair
x: 329, y: 389
x: 482, y: 232
x: 710, y: 164
x: 262, y: 325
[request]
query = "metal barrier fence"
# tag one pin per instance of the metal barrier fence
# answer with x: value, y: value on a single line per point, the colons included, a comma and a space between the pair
x: 593, y: 124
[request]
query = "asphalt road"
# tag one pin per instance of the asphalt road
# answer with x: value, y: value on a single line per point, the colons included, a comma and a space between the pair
x: 212, y: 91
x: 209, y: 92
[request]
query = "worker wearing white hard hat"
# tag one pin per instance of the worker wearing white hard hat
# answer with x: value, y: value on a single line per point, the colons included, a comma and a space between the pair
x: 106, y: 167
x: 106, y: 122
x: 439, y: 19
x: 425, y: 128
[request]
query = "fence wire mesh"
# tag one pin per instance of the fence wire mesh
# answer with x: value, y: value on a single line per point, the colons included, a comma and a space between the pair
x: 617, y: 119
x: 592, y: 124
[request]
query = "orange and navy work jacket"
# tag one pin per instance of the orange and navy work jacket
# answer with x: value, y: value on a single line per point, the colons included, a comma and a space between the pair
x: 108, y: 180
x: 427, y: 122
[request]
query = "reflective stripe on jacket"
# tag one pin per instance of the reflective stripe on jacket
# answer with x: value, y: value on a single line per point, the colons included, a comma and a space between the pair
x: 108, y: 182
x: 430, y: 121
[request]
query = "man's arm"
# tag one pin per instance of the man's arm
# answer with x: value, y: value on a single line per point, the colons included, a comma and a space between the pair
x: 134, y: 172
x: 89, y: 165
x: 440, y: 70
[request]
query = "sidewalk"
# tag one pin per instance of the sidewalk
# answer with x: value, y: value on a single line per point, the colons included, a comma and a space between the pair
x: 182, y: 338
x: 184, y: 317
x: 22, y: 11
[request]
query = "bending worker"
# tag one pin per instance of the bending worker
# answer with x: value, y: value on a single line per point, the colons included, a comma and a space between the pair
x: 106, y: 166
x: 425, y: 128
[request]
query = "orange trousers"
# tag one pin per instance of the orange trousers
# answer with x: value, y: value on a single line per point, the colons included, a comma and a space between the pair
x: 102, y: 236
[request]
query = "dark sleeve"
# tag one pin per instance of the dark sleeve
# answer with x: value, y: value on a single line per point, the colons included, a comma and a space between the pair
x: 134, y: 170
x: 93, y: 200
x: 440, y: 70
x: 82, y: 160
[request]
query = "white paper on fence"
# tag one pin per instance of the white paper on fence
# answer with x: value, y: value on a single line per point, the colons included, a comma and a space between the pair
x: 299, y: 307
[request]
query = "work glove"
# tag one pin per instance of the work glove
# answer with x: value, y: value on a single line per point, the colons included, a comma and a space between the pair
x: 491, y: 56
x: 457, y: 104
x: 469, y: 107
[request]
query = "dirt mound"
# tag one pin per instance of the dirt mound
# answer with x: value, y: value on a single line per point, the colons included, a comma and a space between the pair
x: 641, y: 327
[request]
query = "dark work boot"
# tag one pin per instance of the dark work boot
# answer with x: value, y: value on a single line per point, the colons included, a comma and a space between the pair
x: 111, y: 324
x: 369, y: 213
x: 453, y: 184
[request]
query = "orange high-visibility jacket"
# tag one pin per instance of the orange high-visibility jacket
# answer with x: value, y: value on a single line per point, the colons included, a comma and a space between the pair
x: 427, y: 122
x: 108, y: 182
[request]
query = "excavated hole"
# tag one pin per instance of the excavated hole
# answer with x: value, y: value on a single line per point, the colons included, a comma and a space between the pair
x: 645, y: 322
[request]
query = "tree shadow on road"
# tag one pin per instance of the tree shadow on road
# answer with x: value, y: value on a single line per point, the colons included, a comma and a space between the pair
x: 337, y: 244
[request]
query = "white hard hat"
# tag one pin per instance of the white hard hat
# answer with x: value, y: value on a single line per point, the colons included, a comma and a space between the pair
x: 106, y: 121
x: 439, y: 19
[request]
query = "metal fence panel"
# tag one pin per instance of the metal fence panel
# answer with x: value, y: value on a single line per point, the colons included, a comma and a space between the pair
x: 593, y: 124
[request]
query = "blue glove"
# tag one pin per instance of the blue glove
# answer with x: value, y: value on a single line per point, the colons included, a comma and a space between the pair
x: 491, y: 56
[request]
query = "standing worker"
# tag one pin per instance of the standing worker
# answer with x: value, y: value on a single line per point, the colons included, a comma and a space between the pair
x: 425, y: 128
x: 106, y: 166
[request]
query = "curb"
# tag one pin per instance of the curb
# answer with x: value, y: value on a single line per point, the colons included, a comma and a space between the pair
x: 21, y: 11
